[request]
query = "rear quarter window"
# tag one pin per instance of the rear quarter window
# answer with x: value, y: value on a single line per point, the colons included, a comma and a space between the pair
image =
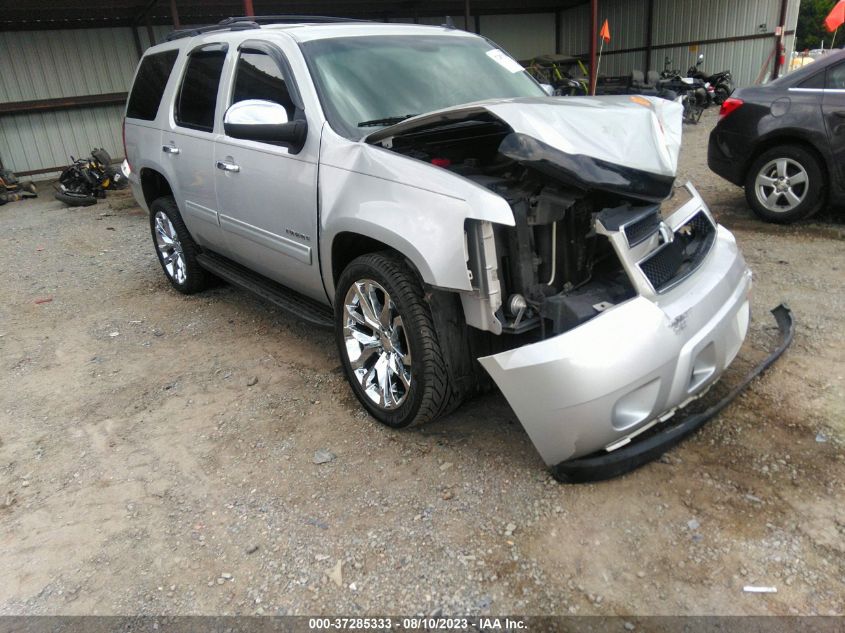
x: 148, y: 88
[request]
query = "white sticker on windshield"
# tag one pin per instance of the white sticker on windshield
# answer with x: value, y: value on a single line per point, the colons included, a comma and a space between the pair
x: 504, y: 61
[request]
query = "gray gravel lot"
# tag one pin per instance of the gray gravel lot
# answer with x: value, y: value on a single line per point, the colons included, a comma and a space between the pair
x: 204, y: 455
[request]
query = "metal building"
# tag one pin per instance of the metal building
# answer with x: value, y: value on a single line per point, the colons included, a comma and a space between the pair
x: 65, y: 69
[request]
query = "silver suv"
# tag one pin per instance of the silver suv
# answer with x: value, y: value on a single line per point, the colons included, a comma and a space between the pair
x: 414, y: 189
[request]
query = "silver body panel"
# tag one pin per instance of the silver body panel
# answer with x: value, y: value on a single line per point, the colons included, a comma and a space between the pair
x: 279, y: 214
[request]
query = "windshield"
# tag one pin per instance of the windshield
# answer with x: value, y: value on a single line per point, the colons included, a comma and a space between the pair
x: 370, y: 82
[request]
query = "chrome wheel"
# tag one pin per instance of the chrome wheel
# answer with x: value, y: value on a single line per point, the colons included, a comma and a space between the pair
x: 781, y: 185
x: 376, y: 344
x: 170, y: 248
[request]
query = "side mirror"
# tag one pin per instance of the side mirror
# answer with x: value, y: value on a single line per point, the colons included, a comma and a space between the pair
x: 549, y: 88
x: 700, y: 60
x: 264, y: 121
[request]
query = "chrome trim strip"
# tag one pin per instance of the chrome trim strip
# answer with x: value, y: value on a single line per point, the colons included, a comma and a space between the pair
x: 278, y: 243
x: 201, y: 213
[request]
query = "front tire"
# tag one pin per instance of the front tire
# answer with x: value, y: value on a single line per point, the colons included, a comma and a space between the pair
x: 785, y: 184
x: 175, y: 248
x: 388, y: 343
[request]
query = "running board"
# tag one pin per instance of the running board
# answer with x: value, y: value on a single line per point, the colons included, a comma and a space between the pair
x: 296, y: 304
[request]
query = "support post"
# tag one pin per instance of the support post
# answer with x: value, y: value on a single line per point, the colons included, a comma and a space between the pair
x: 594, y: 36
x: 150, y: 33
x: 174, y: 15
x: 466, y: 15
x: 249, y: 11
x: 138, y: 48
x: 648, y: 33
x: 779, y: 39
x: 477, y: 23
x: 558, y: 29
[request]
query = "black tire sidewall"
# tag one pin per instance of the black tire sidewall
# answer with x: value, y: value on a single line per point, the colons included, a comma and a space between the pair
x: 73, y: 200
x: 196, y: 278
x: 406, y: 300
x: 816, y: 184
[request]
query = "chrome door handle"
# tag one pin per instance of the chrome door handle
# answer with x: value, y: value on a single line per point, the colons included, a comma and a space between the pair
x: 169, y: 149
x: 227, y: 166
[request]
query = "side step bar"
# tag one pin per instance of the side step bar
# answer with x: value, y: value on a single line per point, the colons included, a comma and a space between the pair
x: 601, y: 466
x: 299, y: 306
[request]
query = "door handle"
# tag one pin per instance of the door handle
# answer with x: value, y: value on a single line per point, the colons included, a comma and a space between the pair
x: 227, y: 166
x: 169, y: 149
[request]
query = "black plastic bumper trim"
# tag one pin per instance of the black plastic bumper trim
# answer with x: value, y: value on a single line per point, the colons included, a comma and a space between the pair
x: 599, y: 467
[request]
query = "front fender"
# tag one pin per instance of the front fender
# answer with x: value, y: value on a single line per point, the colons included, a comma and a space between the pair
x: 411, y: 206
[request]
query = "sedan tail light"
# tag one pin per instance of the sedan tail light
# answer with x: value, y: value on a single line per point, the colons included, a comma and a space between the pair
x: 730, y: 105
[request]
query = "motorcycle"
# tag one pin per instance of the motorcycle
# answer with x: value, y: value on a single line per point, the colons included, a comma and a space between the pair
x: 87, y: 179
x: 692, y: 92
x: 722, y: 83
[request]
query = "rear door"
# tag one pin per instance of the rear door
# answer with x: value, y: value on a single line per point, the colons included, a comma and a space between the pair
x: 144, y: 113
x: 833, y: 109
x: 188, y: 143
x: 267, y: 194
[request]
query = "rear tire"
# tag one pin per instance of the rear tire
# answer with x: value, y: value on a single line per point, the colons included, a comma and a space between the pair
x: 175, y: 248
x: 388, y: 343
x: 75, y: 199
x: 785, y: 184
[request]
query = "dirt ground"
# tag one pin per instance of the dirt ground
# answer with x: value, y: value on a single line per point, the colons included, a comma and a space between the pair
x: 157, y: 455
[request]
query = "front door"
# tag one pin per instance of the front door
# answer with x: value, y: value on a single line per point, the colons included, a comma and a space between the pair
x: 266, y: 194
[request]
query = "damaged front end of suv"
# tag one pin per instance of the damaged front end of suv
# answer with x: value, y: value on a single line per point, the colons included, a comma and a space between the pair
x: 613, y: 304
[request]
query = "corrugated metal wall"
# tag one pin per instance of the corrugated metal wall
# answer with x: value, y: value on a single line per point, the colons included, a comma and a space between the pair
x: 683, y: 21
x: 52, y: 64
x: 64, y: 63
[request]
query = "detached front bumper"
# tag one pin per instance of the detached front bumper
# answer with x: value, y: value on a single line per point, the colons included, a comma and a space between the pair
x: 595, y: 388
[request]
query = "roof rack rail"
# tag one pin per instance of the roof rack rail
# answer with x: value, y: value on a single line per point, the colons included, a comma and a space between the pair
x: 287, y: 19
x: 244, y: 22
x: 235, y: 25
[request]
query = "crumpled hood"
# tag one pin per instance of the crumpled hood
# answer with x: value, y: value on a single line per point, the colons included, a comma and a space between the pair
x: 639, y: 133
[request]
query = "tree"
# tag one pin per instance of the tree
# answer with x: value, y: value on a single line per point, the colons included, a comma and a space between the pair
x: 811, y: 30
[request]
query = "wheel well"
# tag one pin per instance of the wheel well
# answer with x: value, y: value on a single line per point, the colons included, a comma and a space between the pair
x: 154, y: 185
x: 788, y: 140
x: 347, y: 246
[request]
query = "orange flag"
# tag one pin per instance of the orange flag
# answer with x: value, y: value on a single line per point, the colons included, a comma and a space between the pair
x: 605, y: 32
x: 836, y: 17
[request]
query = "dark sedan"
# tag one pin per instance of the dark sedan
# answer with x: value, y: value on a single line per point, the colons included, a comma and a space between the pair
x: 785, y: 141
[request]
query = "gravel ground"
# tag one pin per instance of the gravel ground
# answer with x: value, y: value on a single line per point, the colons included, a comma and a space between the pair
x: 158, y: 455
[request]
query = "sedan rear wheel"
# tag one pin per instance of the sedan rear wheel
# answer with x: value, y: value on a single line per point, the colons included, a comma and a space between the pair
x: 785, y: 184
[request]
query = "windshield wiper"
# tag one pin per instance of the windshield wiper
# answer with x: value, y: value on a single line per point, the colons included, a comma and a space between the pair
x: 388, y: 120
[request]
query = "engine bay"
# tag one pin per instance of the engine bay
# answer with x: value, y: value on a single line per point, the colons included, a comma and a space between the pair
x: 553, y: 270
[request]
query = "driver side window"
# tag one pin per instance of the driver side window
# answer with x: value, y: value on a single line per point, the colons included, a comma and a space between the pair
x: 257, y: 76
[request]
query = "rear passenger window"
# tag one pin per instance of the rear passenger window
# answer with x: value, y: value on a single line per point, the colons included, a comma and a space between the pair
x: 149, y: 85
x: 257, y: 76
x: 197, y: 100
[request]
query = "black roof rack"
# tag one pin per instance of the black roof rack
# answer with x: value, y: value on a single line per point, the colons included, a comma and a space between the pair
x: 289, y: 19
x: 242, y: 23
